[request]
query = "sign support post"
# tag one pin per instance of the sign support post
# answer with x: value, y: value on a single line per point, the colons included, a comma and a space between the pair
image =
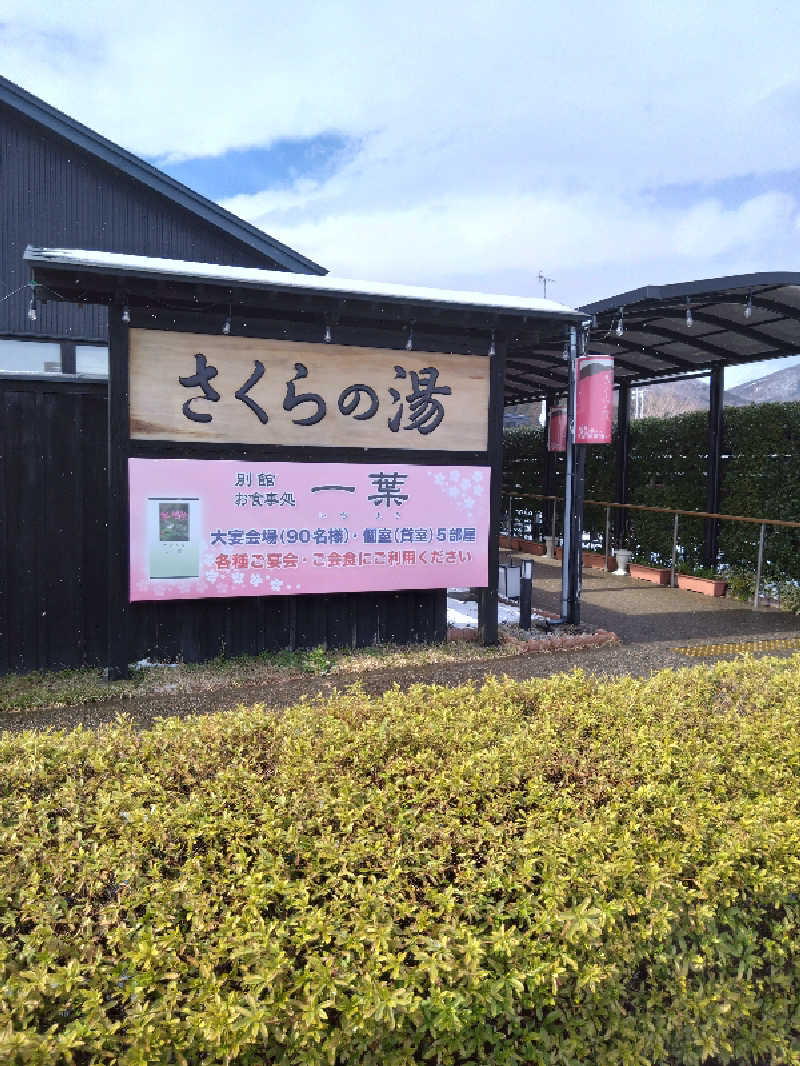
x: 117, y: 487
x: 487, y: 598
x: 573, y: 503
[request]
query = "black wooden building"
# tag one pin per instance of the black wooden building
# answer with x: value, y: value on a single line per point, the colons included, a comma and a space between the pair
x: 61, y: 184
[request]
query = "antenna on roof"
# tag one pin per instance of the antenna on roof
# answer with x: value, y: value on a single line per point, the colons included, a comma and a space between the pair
x: 544, y: 282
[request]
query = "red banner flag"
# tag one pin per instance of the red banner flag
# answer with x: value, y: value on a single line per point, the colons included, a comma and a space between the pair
x: 594, y: 401
x: 557, y: 429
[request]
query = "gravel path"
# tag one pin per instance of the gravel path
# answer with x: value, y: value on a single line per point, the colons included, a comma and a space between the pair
x: 651, y: 622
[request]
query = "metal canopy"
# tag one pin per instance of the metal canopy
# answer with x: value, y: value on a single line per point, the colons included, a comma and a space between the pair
x: 739, y: 319
x: 191, y: 296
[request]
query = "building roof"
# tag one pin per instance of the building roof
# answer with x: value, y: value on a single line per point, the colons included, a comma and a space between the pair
x: 82, y: 137
x: 733, y: 320
x: 116, y: 265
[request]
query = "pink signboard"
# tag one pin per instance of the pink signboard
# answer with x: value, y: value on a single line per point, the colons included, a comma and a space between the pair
x: 219, y: 527
x: 594, y: 399
x: 557, y: 429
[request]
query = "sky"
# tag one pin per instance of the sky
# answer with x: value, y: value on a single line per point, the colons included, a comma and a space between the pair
x: 462, y: 145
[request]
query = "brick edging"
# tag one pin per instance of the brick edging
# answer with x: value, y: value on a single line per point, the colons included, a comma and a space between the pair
x: 545, y: 644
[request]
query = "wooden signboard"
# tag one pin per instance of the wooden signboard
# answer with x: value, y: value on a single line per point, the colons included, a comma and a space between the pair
x: 206, y: 388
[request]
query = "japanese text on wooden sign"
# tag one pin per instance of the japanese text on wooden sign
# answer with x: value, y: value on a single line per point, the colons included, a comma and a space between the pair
x: 194, y: 387
x: 210, y: 527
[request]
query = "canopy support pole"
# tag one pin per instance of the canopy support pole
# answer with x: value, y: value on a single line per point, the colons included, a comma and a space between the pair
x: 715, y: 427
x: 547, y: 487
x: 487, y: 597
x: 621, y: 521
x: 573, y: 504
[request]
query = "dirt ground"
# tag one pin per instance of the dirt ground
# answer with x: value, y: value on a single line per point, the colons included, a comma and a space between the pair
x: 638, y: 660
x: 652, y: 623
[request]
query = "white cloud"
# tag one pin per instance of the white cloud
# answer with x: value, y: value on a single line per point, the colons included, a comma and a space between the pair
x: 505, y: 240
x: 576, y: 89
x: 494, y: 139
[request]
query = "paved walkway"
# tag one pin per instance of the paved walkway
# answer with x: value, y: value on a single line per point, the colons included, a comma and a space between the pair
x: 641, y: 613
x: 651, y: 622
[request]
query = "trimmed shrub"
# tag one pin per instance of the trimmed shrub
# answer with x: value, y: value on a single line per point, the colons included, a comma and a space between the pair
x: 558, y: 872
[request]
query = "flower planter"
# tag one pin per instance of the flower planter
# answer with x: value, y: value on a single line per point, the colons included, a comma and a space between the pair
x: 597, y: 561
x: 657, y: 575
x: 709, y: 586
x: 532, y: 547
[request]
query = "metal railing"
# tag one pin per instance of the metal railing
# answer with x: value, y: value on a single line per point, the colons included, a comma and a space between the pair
x: 677, y: 513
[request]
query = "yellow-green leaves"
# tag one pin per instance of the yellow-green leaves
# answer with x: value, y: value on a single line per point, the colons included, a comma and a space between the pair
x: 556, y: 872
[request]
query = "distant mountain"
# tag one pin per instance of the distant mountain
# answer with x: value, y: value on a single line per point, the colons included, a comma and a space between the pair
x: 781, y: 387
x: 670, y: 398
x: 679, y: 397
x: 522, y: 416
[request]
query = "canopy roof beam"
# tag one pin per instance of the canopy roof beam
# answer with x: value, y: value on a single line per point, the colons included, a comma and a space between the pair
x: 753, y: 332
x: 535, y: 371
x: 640, y: 349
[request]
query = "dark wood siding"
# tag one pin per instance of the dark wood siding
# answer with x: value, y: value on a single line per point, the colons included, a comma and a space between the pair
x: 53, y: 194
x: 53, y: 558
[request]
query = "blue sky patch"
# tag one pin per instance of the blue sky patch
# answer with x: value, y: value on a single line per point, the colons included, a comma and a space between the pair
x: 731, y: 192
x: 251, y: 170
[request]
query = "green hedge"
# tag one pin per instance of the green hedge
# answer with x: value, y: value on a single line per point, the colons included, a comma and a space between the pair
x: 524, y: 453
x: 563, y: 871
x: 760, y: 478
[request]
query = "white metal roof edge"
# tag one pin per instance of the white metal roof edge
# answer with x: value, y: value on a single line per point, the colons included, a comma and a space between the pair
x: 144, y: 266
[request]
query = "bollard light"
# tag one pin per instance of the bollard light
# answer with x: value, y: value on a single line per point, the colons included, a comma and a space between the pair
x: 525, y: 593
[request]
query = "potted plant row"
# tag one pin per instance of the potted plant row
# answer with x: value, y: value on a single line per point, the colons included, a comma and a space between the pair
x: 520, y: 544
x: 656, y: 575
x: 702, y: 580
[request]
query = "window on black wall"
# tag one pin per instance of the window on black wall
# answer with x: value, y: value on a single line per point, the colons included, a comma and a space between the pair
x: 30, y: 357
x: 91, y: 360
x: 21, y: 357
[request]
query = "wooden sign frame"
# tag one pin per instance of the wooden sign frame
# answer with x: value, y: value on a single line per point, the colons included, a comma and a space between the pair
x: 122, y: 446
x: 248, y: 390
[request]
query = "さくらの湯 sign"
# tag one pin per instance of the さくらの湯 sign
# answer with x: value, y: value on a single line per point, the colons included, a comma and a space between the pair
x: 203, y: 388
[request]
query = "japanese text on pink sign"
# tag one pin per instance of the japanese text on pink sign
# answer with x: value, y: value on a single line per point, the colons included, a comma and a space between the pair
x: 594, y: 399
x: 213, y: 527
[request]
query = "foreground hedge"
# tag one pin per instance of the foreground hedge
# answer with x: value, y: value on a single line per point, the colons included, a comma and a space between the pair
x: 562, y: 871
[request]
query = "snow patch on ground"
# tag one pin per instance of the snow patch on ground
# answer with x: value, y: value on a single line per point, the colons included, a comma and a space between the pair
x: 464, y: 615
